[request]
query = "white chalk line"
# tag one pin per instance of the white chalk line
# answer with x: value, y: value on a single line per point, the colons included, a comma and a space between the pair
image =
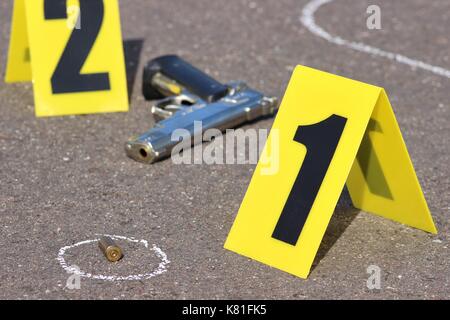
x: 162, y: 267
x: 308, y: 20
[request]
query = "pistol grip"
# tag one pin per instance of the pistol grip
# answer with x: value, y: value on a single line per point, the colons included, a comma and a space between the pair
x: 189, y: 77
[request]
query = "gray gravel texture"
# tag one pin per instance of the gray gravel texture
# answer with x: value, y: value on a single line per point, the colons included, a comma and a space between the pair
x: 66, y: 179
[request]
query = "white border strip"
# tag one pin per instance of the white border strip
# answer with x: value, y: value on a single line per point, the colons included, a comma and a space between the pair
x: 309, y: 22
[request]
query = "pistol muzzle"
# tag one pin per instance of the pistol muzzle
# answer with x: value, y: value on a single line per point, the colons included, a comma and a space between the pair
x: 142, y: 152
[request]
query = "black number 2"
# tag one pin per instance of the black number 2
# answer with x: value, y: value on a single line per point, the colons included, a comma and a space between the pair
x: 321, y: 140
x: 67, y: 77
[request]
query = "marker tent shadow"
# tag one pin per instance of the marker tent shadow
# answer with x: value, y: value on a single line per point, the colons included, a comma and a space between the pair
x: 342, y: 218
x: 132, y: 49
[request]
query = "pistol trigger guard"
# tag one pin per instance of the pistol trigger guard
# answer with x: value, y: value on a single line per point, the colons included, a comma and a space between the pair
x: 160, y: 114
x: 167, y: 107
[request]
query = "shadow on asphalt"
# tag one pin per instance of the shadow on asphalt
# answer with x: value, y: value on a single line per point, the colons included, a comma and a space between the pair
x: 342, y: 217
x: 132, y: 50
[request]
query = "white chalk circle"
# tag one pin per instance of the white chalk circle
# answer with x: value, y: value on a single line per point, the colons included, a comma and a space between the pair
x: 308, y: 20
x: 162, y: 267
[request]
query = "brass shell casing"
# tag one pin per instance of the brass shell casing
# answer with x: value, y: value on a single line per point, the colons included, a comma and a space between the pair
x: 110, y: 249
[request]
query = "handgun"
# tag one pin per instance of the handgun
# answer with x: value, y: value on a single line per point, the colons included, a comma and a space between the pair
x: 183, y: 94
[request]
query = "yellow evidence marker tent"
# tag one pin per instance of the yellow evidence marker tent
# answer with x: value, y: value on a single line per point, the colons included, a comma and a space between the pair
x: 72, y: 50
x: 330, y: 130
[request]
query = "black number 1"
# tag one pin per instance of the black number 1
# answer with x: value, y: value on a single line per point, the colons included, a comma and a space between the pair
x: 67, y: 77
x: 321, y: 140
